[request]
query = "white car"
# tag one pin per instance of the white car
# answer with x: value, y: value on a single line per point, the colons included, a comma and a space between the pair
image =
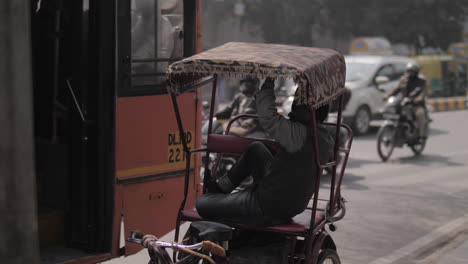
x: 369, y: 78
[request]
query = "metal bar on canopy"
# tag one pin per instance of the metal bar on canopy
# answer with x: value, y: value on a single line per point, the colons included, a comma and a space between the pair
x: 194, y: 86
x: 187, y: 151
x: 319, y: 169
x: 335, y: 155
x: 148, y: 74
x: 345, y: 160
x: 210, y: 124
x: 187, y: 164
x: 184, y: 144
x: 213, y: 100
x: 179, y: 122
x: 155, y: 60
x: 312, y: 232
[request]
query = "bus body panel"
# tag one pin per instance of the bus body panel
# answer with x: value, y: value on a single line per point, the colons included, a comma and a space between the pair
x: 151, y: 206
x: 150, y: 166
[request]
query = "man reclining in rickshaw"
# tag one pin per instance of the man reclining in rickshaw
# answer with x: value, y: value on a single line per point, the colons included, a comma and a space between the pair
x: 284, y: 181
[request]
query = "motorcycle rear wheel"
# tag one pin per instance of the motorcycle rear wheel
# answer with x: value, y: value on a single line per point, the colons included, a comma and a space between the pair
x: 385, y: 142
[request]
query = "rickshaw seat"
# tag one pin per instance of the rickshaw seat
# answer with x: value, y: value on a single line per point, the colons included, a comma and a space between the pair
x: 299, y: 225
x: 236, y: 145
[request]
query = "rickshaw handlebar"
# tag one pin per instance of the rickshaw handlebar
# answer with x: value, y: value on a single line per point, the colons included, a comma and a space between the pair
x: 150, y: 240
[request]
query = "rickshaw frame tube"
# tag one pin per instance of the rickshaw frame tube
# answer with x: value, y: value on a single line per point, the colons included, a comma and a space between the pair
x: 186, y: 149
x: 210, y: 124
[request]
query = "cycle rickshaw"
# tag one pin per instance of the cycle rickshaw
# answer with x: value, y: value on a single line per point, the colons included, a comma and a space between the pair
x: 320, y: 75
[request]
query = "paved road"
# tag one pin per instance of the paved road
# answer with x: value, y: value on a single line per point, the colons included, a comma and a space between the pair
x: 410, y: 209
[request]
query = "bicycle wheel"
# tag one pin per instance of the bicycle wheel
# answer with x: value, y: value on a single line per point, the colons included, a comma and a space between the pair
x: 328, y: 256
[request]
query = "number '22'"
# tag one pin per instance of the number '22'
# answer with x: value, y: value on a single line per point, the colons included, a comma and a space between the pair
x: 176, y: 155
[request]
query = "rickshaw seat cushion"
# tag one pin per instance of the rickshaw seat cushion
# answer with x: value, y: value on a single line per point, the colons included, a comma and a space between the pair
x: 236, y: 145
x: 298, y: 225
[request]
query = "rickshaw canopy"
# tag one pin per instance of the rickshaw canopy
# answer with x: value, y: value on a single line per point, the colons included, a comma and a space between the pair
x: 319, y: 73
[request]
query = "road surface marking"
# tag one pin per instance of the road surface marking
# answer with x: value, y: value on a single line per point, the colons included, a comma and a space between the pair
x: 449, y: 229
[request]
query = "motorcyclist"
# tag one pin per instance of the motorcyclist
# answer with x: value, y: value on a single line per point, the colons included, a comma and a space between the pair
x: 412, y: 86
x: 243, y: 103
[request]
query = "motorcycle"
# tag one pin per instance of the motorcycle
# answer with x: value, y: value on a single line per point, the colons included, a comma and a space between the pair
x: 399, y: 127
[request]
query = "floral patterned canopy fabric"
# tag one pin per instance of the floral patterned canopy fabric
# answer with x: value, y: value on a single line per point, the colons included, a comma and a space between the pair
x: 319, y: 73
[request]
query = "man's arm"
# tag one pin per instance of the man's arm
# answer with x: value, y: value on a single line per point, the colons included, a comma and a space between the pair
x: 397, y: 89
x: 419, y: 92
x: 291, y: 135
x: 227, y: 111
x: 394, y: 90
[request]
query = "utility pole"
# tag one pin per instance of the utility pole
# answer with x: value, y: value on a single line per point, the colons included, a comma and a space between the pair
x: 18, y: 222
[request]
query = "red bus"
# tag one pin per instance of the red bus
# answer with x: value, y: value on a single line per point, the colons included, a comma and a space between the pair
x: 107, y: 152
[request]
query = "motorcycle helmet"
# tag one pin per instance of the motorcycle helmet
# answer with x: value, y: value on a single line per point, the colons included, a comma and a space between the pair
x: 412, y: 67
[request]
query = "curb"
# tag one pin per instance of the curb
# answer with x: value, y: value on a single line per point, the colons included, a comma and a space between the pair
x: 425, y: 245
x: 448, y: 104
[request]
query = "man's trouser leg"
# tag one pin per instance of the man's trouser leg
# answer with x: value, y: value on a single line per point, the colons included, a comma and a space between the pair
x: 254, y: 161
x: 420, y: 113
x: 239, y: 207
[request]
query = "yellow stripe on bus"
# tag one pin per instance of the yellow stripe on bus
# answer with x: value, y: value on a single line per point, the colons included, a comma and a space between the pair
x: 149, y: 170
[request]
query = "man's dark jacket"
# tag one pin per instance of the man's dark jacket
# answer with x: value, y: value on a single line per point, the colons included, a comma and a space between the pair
x: 411, y: 87
x: 290, y: 183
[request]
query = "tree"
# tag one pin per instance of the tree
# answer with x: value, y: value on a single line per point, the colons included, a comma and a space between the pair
x: 285, y: 21
x: 435, y: 23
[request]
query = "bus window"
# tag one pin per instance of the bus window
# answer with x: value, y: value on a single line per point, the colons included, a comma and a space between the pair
x: 156, y: 40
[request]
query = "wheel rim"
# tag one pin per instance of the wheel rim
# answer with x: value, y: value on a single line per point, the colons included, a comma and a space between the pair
x: 386, y: 143
x: 418, y: 148
x: 328, y: 261
x: 362, y: 120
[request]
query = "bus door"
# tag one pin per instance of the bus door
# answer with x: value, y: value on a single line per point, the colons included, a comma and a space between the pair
x: 73, y: 95
x: 150, y: 161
